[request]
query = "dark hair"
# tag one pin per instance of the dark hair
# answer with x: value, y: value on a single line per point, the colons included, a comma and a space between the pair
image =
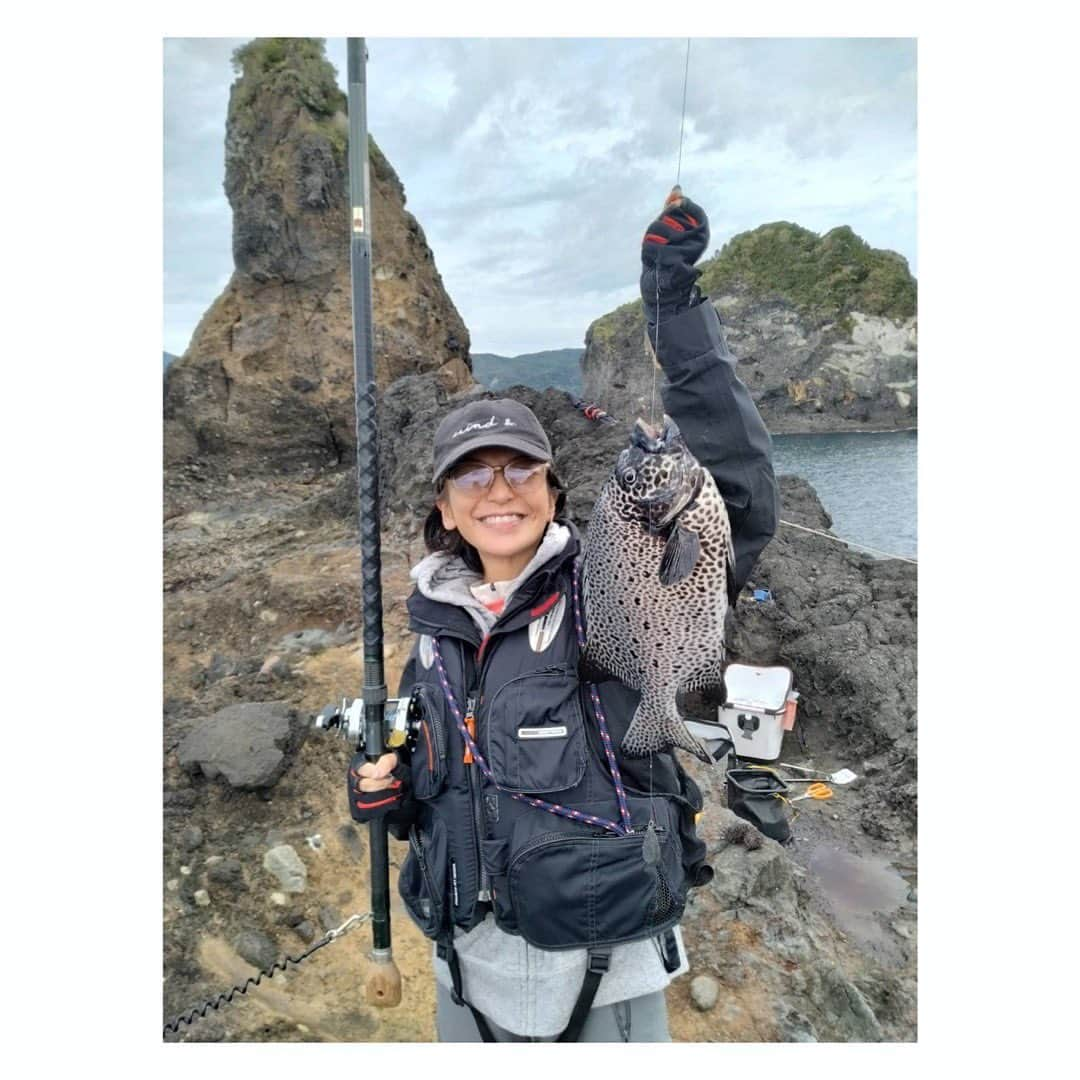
x: 438, y: 538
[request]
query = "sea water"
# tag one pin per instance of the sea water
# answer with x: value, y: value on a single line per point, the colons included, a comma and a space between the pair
x: 866, y: 482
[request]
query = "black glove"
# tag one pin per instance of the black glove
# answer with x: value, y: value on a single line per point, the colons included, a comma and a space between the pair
x: 672, y: 244
x: 371, y: 805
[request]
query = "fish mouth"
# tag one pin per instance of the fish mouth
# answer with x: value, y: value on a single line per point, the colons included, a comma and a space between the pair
x: 653, y: 440
x: 665, y: 505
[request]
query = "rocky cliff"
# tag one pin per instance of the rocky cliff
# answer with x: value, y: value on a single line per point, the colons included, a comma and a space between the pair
x: 823, y: 328
x: 267, y: 381
x: 810, y: 942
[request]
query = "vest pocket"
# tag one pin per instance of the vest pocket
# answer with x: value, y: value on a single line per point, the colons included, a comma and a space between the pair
x: 573, y: 888
x: 422, y: 881
x: 429, y: 751
x: 534, y: 738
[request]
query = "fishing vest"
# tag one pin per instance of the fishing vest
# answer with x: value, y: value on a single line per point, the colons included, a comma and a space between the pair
x: 514, y: 776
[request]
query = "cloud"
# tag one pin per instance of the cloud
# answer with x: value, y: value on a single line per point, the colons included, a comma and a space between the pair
x: 534, y: 165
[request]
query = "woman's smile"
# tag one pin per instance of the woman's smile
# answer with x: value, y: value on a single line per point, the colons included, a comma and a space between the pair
x: 502, y: 522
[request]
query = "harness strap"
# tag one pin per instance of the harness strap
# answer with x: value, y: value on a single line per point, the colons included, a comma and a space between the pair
x: 449, y: 954
x: 599, y: 962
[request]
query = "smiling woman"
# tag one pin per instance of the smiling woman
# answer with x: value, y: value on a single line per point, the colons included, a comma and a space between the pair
x: 549, y: 866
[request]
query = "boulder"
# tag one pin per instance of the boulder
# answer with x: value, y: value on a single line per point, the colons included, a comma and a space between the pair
x: 248, y: 745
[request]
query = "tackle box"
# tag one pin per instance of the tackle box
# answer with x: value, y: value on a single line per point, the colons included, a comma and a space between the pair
x: 759, y: 706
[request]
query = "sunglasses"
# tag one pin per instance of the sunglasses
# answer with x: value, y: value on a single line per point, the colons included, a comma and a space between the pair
x: 474, y: 479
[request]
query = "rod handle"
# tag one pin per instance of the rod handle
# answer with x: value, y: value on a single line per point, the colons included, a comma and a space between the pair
x: 383, y: 986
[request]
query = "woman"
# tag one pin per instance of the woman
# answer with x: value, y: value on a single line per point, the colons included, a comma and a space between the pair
x: 549, y: 869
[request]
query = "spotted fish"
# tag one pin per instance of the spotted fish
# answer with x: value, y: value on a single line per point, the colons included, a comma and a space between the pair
x: 657, y: 576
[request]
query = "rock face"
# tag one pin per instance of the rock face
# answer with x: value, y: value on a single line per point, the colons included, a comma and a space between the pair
x: 267, y: 382
x: 780, y: 970
x: 846, y: 625
x: 824, y: 330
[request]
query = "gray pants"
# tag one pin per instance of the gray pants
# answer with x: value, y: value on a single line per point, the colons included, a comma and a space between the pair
x: 641, y: 1019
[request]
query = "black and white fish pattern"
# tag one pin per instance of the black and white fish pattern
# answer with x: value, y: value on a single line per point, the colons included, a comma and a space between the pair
x: 657, y: 572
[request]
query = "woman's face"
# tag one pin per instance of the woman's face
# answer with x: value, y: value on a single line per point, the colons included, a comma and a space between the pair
x: 504, y: 523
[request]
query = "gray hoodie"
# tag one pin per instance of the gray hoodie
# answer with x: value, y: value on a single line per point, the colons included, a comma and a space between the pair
x: 527, y: 990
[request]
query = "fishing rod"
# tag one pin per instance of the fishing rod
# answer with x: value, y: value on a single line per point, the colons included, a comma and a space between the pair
x: 384, y: 983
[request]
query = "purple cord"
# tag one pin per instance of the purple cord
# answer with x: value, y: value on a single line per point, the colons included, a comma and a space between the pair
x: 552, y: 808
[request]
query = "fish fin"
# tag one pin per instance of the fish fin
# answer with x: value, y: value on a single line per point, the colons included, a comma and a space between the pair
x: 732, y: 591
x: 653, y: 731
x: 713, y: 678
x: 680, y: 555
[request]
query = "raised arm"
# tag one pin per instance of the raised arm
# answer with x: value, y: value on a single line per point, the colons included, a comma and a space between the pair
x: 701, y: 391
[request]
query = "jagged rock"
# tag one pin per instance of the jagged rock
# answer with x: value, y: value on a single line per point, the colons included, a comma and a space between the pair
x: 823, y: 329
x: 767, y: 936
x: 289, y: 869
x: 227, y: 872
x: 267, y: 381
x: 191, y: 838
x: 256, y: 948
x: 249, y: 745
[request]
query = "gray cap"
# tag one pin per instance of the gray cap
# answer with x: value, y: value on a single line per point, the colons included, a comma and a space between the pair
x: 501, y: 422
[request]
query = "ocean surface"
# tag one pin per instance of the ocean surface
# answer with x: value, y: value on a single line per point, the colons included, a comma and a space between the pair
x: 867, y: 483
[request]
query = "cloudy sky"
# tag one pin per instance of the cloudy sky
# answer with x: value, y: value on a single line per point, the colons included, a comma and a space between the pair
x: 535, y: 164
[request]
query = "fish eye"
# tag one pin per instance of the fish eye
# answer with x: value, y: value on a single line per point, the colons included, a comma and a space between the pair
x: 629, y: 476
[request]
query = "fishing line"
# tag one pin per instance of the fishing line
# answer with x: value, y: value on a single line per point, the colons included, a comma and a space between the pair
x: 850, y: 543
x: 682, y: 122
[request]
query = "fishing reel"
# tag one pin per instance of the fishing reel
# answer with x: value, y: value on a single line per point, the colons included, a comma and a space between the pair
x: 347, y: 719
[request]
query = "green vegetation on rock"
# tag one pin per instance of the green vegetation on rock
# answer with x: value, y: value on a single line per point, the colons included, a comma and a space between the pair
x: 625, y: 319
x: 823, y: 277
x: 297, y: 64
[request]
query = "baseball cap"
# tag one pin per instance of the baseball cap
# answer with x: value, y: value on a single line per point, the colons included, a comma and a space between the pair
x: 502, y: 422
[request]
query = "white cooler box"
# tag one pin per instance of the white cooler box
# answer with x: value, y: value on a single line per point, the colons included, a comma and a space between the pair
x: 759, y: 707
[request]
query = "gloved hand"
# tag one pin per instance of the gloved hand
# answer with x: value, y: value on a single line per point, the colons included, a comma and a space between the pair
x: 376, y: 788
x: 672, y: 244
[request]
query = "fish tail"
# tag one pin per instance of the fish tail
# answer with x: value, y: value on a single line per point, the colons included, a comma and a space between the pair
x: 656, y: 726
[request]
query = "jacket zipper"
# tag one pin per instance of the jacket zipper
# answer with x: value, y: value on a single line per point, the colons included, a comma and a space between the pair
x: 472, y: 770
x: 421, y: 858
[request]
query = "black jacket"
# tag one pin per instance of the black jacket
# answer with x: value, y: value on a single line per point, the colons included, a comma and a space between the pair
x: 476, y: 848
x: 722, y: 427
